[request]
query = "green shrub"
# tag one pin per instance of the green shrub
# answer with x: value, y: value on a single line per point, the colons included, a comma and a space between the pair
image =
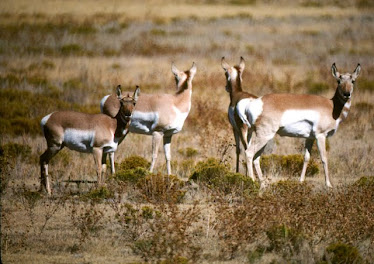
x: 134, y: 162
x: 318, y: 88
x: 366, y: 181
x: 337, y: 253
x: 290, y: 165
x: 218, y: 175
x: 161, y: 188
x: 72, y: 49
x: 11, y: 151
x: 284, y: 239
x: 131, y: 175
x: 99, y: 194
x: 366, y: 85
x: 188, y: 152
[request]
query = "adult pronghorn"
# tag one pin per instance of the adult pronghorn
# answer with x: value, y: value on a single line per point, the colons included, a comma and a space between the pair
x: 234, y: 88
x: 91, y: 133
x: 159, y: 115
x: 306, y: 116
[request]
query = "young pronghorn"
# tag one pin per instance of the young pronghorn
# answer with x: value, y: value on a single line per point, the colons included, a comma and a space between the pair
x: 91, y: 133
x: 159, y: 115
x: 234, y: 88
x: 305, y: 116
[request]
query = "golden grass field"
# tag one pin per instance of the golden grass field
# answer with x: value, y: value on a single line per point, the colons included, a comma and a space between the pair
x: 66, y: 55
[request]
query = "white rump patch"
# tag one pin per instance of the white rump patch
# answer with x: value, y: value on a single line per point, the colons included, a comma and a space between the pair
x: 249, y: 109
x: 299, y: 123
x: 79, y: 140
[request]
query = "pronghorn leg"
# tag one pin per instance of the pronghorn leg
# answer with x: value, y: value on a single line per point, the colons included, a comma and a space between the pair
x: 98, y: 155
x: 111, y: 158
x: 321, y: 143
x: 103, y: 163
x: 44, y: 160
x: 308, y: 148
x: 156, y: 140
x: 254, y: 152
x: 167, y: 142
x: 237, y: 145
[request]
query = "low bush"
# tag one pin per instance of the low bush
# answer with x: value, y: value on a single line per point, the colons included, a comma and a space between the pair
x: 134, y: 162
x: 337, y: 253
x: 157, y: 188
x: 289, y: 165
x: 284, y: 240
x: 218, y: 175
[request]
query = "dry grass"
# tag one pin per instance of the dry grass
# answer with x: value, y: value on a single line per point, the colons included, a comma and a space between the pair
x: 67, y: 55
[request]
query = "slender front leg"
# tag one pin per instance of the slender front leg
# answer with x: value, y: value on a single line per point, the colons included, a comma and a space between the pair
x: 103, y: 163
x: 98, y: 155
x: 237, y: 145
x: 321, y: 143
x: 167, y: 142
x: 44, y: 160
x: 112, y: 167
x: 308, y: 149
x: 156, y: 140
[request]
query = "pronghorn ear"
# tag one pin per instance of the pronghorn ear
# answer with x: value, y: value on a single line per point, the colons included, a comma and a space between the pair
x: 193, y: 70
x: 224, y: 64
x: 174, y: 69
x: 242, y: 64
x: 334, y: 71
x: 136, y: 93
x: 356, y: 71
x: 119, y: 91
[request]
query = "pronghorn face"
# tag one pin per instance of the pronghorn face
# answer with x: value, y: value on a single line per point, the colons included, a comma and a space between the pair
x: 345, y: 81
x: 127, y: 104
x: 182, y: 78
x: 233, y: 74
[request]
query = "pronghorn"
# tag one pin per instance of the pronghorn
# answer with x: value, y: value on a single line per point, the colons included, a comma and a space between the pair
x: 234, y: 88
x: 159, y: 115
x: 91, y: 133
x: 305, y: 116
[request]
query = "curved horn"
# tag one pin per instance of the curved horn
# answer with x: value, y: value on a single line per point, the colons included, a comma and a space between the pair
x: 119, y: 91
x: 224, y: 64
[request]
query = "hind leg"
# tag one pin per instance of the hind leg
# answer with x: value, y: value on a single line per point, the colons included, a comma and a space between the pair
x: 44, y: 160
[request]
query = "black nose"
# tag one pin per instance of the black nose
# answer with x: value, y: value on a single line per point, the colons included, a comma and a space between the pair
x: 347, y: 95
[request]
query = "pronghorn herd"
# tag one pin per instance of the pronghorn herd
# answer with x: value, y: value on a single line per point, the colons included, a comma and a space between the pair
x: 255, y: 121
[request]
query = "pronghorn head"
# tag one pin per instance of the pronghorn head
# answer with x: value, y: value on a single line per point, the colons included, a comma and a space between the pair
x: 345, y: 81
x: 233, y: 74
x: 183, y: 78
x: 127, y: 103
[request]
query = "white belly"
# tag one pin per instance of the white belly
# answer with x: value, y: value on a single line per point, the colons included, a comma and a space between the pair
x: 79, y: 140
x: 299, y: 123
x: 143, y: 122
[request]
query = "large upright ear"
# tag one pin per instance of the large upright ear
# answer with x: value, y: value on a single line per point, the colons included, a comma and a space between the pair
x: 334, y: 71
x: 356, y: 71
x: 193, y: 70
x: 136, y: 94
x: 224, y: 64
x: 241, y: 64
x: 174, y: 69
x: 119, y: 91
